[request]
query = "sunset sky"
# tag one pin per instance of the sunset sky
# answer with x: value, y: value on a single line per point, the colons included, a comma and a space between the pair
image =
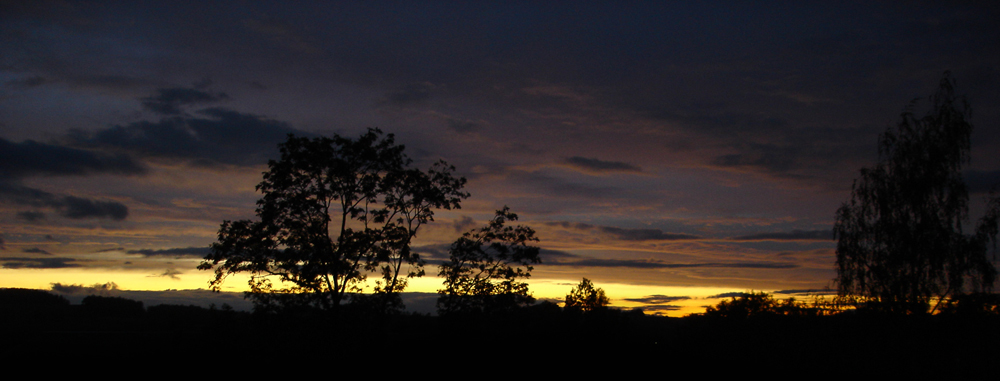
x: 669, y: 152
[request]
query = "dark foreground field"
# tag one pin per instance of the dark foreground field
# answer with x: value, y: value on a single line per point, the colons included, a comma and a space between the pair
x: 841, y: 344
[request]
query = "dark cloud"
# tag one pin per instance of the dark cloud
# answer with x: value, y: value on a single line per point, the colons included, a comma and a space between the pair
x: 982, y: 181
x: 766, y: 157
x: 35, y: 250
x: 727, y: 295
x: 31, y: 216
x: 169, y: 101
x: 658, y: 299
x: 590, y: 165
x: 463, y: 224
x: 433, y: 254
x: 555, y: 255
x: 807, y: 292
x: 794, y: 235
x: 644, y: 234
x: 545, y: 184
x: 220, y: 137
x: 655, y: 309
x: 39, y: 263
x: 462, y: 126
x: 67, y: 206
x: 2, y: 242
x: 110, y: 250
x: 653, y: 264
x: 410, y: 94
x: 33, y: 81
x: 626, y: 234
x: 198, y: 252
x: 77, y: 208
x: 31, y: 158
x: 170, y: 273
x: 95, y: 289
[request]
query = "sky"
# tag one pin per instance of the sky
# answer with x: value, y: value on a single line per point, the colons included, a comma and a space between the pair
x: 673, y: 153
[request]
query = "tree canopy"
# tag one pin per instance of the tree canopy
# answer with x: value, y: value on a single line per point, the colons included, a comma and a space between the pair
x: 585, y: 297
x: 900, y: 244
x: 486, y: 265
x: 333, y: 209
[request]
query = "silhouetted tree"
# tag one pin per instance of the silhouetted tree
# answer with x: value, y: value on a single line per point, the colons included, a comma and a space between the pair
x: 332, y: 210
x: 486, y: 264
x: 900, y: 243
x: 584, y: 297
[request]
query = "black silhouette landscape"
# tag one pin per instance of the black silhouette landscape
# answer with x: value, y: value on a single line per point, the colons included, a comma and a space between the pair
x: 708, y: 189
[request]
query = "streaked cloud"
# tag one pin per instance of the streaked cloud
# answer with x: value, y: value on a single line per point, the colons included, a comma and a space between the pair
x: 181, y: 252
x: 794, y: 235
x: 625, y: 234
x: 658, y: 299
x: 39, y: 263
x: 217, y: 136
x: 596, y: 166
x: 170, y: 100
x: 30, y: 158
x: 35, y: 250
x: 658, y: 264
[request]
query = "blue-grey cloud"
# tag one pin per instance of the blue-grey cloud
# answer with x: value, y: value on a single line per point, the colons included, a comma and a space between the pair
x: 593, y: 165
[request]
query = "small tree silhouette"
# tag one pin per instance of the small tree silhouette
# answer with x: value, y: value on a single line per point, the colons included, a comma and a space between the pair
x: 486, y: 264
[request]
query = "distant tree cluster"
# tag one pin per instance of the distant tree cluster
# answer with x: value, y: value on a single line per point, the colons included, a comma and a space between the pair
x: 756, y: 304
